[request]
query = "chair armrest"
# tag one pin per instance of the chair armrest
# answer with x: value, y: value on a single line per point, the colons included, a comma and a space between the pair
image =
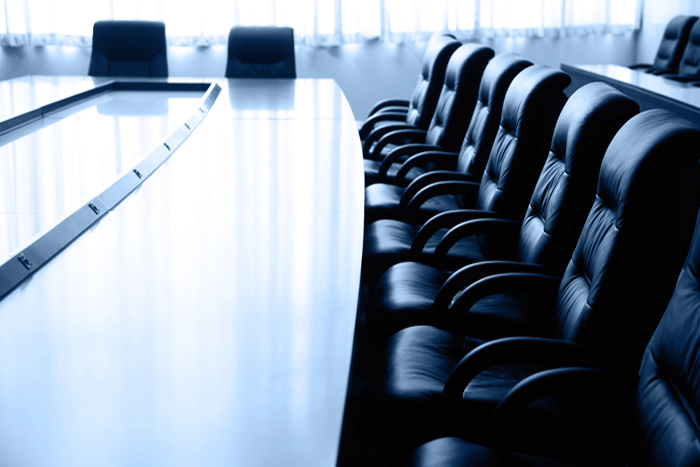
x: 475, y: 227
x: 640, y: 66
x: 472, y: 273
x: 571, y: 383
x: 389, y: 103
x: 446, y: 160
x: 368, y: 125
x: 512, y: 282
x: 428, y: 179
x: 555, y: 352
x: 396, y: 137
x: 447, y: 219
x: 454, y: 187
x: 399, y: 153
x: 378, y: 133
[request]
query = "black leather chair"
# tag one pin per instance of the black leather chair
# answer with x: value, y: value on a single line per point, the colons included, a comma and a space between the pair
x: 671, y: 47
x: 382, y: 200
x: 416, y: 112
x: 530, y: 110
x: 406, y: 293
x: 129, y: 49
x: 261, y: 52
x: 432, y: 383
x: 449, y: 122
x: 689, y: 65
x: 664, y: 411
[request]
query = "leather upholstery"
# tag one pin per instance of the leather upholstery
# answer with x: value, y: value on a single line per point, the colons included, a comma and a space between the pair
x: 667, y: 405
x: 432, y: 75
x: 533, y: 100
x: 382, y: 199
x: 458, y: 96
x: 617, y: 284
x: 455, y: 105
x: 554, y: 218
x: 261, y: 52
x: 672, y: 45
x: 689, y: 64
x: 129, y: 49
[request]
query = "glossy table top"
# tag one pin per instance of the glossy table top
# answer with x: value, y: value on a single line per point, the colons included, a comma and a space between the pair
x: 682, y: 94
x: 208, y: 319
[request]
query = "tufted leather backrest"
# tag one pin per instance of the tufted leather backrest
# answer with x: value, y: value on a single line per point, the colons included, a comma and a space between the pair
x: 483, y: 126
x: 427, y: 91
x: 667, y: 405
x: 566, y: 187
x: 458, y: 96
x: 690, y: 60
x: 672, y: 44
x: 129, y: 49
x: 261, y: 52
x: 530, y: 110
x: 634, y: 241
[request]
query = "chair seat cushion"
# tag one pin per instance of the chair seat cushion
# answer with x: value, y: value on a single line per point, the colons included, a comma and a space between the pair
x: 404, y: 296
x: 388, y: 242
x: 457, y: 452
x: 406, y: 396
x: 382, y: 202
x: 372, y: 172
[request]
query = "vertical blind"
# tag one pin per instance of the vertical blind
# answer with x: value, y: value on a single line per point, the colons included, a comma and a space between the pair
x: 317, y: 22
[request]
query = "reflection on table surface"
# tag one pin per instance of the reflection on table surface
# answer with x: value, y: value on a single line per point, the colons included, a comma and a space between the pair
x: 681, y: 92
x: 207, y: 320
x: 53, y: 165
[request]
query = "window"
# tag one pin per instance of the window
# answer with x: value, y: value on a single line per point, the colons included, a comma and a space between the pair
x: 316, y: 22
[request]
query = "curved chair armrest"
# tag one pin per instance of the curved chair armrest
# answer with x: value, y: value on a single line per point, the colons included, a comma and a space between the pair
x: 639, y: 66
x: 472, y: 273
x: 399, y: 153
x: 378, y: 133
x: 570, y: 382
x: 389, y: 103
x: 429, y: 178
x: 411, y: 135
x: 368, y: 125
x: 453, y: 187
x: 446, y: 160
x: 475, y: 227
x: 512, y: 282
x: 447, y: 219
x: 556, y: 352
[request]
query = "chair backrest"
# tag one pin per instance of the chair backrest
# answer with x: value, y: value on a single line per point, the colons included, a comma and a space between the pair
x: 566, y: 187
x: 425, y: 95
x: 635, y: 239
x: 668, y: 56
x: 261, y: 52
x: 530, y: 110
x: 129, y: 49
x: 458, y: 96
x: 690, y: 60
x: 483, y: 126
x: 667, y: 406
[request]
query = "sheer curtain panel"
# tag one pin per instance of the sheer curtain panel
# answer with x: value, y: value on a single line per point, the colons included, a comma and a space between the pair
x: 317, y: 22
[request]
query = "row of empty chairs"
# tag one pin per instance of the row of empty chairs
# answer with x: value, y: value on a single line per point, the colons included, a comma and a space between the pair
x: 138, y: 49
x: 678, y: 56
x: 515, y: 284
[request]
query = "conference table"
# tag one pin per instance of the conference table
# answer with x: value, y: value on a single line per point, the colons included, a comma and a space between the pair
x: 649, y: 91
x: 179, y: 271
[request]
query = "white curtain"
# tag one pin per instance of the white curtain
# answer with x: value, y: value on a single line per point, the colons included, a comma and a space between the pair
x: 316, y: 22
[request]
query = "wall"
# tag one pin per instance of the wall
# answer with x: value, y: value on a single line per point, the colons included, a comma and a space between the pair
x: 656, y: 15
x: 366, y: 72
